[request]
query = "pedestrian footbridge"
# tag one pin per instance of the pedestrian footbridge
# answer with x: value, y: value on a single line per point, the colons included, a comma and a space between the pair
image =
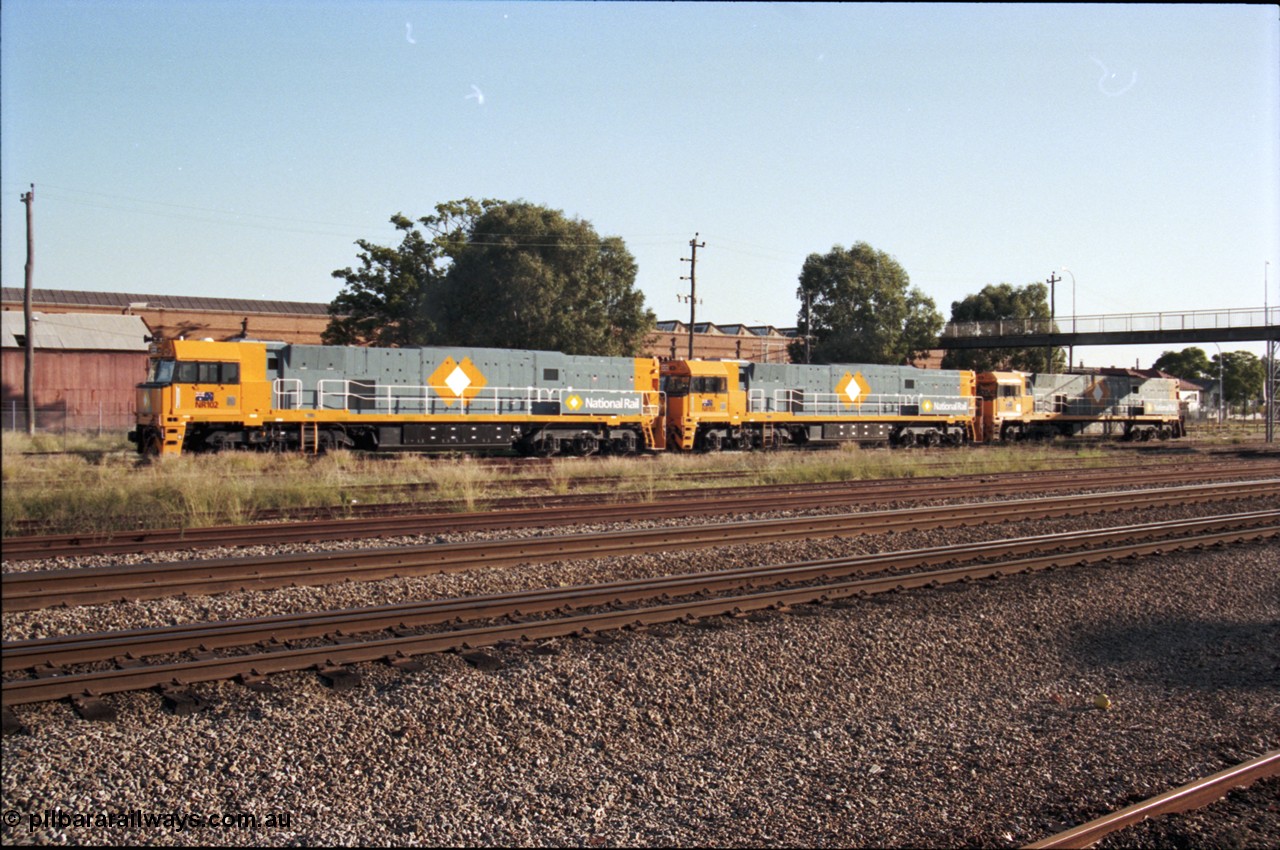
x: 1243, y: 325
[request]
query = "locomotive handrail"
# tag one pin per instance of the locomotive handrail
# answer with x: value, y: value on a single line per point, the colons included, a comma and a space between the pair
x: 283, y: 388
x: 430, y: 399
x: 1076, y: 406
x: 652, y: 403
x: 801, y: 403
x: 758, y: 402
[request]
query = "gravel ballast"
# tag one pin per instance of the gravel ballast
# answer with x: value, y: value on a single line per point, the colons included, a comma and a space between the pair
x: 963, y: 715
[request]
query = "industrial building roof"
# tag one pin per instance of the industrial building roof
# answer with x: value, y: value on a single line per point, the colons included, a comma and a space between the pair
x: 75, y: 331
x: 126, y: 300
x: 11, y: 296
x: 677, y: 326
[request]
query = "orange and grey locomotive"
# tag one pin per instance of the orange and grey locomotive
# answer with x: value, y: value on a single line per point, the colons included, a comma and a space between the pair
x: 207, y: 396
x: 1017, y: 406
x: 716, y: 404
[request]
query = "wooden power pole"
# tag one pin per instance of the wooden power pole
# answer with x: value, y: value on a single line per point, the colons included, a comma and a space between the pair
x: 29, y: 365
x: 692, y: 260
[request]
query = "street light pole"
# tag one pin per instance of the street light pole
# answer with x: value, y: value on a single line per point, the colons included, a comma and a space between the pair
x: 808, y: 327
x: 1269, y: 386
x: 1222, y: 386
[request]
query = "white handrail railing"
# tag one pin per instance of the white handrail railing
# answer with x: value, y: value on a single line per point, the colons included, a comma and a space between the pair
x: 438, y: 399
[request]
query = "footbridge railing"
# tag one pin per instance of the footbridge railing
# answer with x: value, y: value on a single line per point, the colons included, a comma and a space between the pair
x: 1233, y: 325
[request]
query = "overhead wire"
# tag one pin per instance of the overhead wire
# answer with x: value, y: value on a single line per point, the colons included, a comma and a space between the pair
x: 215, y: 215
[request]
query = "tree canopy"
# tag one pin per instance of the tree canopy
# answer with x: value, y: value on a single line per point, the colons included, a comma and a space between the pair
x: 1190, y: 364
x: 545, y: 281
x: 861, y: 308
x: 494, y: 273
x: 388, y: 300
x: 996, y: 302
x: 1243, y: 372
x: 1243, y: 375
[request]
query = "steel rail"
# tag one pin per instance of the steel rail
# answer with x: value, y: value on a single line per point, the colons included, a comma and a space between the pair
x: 138, y: 643
x: 331, y: 655
x: 560, y: 510
x: 43, y: 588
x: 1193, y: 795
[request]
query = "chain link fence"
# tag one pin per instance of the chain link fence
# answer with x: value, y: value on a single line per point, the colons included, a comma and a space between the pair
x: 60, y: 418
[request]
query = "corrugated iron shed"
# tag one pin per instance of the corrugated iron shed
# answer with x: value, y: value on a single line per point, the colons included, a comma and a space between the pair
x: 76, y: 331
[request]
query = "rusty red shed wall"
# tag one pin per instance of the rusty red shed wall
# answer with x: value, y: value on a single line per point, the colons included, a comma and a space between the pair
x: 91, y: 389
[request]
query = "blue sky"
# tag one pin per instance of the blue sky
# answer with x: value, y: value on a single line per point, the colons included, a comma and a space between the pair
x: 238, y: 149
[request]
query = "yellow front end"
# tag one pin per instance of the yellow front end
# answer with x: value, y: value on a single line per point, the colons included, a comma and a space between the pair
x: 194, y: 382
x: 1005, y: 397
x: 700, y: 393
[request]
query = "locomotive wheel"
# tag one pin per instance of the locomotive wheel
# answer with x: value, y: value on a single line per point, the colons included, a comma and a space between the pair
x: 585, y: 444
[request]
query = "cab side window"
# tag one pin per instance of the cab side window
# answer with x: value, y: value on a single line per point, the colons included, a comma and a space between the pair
x: 188, y: 372
x: 710, y: 385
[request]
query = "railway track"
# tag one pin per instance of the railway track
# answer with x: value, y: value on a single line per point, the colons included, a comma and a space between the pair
x: 541, y: 512
x: 1193, y: 795
x: 83, y: 586
x: 328, y: 641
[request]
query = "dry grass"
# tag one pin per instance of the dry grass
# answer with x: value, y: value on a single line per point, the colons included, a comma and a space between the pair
x: 103, y: 489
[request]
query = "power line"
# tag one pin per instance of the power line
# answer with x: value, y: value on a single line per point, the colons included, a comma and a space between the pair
x: 213, y: 210
x: 179, y: 217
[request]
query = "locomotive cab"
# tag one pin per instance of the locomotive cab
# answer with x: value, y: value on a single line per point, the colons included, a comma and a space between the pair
x: 203, y: 380
x: 1006, y: 401
x: 705, y: 404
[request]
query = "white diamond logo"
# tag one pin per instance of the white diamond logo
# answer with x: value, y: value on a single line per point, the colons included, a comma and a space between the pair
x: 457, y: 381
x: 852, y: 392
